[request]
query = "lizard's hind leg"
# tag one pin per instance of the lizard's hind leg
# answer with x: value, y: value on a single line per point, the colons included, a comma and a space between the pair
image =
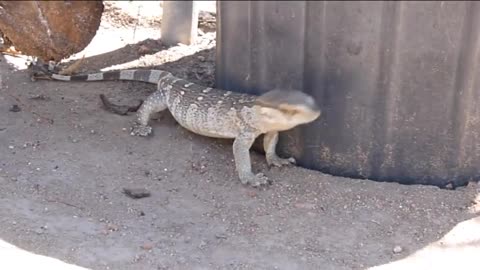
x: 154, y: 103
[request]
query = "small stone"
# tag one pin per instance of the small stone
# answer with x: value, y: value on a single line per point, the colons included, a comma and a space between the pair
x: 397, y: 249
x: 112, y: 227
x: 136, y: 193
x: 309, y: 206
x: 147, y: 246
x: 202, y: 245
x: 15, y: 108
x: 138, y: 258
x: 221, y: 236
x: 40, y: 97
x: 144, y: 50
x: 201, y: 58
x: 449, y: 186
x: 181, y: 260
x: 11, y: 147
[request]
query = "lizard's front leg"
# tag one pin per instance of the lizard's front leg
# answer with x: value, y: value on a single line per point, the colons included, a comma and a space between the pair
x: 269, y: 144
x: 241, y: 153
x: 153, y: 104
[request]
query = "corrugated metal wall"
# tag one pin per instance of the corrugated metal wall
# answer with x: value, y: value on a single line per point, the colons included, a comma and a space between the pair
x: 397, y: 82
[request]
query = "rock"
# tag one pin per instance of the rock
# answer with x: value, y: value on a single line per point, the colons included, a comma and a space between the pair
x: 142, y: 50
x: 40, y: 97
x: 112, y: 227
x: 221, y: 236
x: 50, y: 30
x: 309, y: 206
x: 449, y: 186
x: 397, y: 249
x: 136, y: 193
x: 147, y: 246
x: 15, y: 108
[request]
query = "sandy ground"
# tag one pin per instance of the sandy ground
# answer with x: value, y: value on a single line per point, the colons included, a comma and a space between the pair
x: 65, y: 162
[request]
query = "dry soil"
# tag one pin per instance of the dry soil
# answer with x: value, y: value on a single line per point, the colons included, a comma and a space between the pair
x: 65, y: 162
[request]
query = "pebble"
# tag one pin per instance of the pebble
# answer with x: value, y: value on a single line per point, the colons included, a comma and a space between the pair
x: 221, y: 236
x: 202, y: 244
x: 112, y: 227
x: 40, y: 97
x: 41, y: 230
x: 15, y: 108
x: 309, y: 206
x: 147, y: 246
x: 397, y: 249
x: 136, y: 193
x: 181, y: 260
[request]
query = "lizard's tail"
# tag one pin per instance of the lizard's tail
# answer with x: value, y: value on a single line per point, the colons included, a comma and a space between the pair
x: 139, y: 75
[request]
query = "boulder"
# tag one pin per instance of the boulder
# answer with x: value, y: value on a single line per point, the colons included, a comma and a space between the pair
x: 50, y: 30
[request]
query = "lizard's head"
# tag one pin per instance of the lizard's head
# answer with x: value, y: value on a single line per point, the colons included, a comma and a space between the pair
x: 285, y: 109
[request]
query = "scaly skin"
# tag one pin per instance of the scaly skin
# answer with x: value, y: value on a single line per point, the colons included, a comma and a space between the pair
x: 220, y: 114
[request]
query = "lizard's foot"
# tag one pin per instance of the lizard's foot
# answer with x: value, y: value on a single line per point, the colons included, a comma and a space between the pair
x: 140, y: 130
x: 279, y: 162
x: 255, y: 180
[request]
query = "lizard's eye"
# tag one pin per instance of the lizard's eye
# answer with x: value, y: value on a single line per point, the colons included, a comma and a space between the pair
x: 290, y: 109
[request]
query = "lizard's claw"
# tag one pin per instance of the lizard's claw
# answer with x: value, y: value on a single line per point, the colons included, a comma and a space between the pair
x: 279, y: 162
x: 140, y: 130
x: 255, y: 180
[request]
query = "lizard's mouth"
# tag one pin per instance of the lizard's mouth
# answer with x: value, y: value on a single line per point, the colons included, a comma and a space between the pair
x: 281, y: 120
x: 302, y: 114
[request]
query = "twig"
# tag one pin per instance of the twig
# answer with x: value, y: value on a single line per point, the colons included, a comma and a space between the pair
x: 65, y: 203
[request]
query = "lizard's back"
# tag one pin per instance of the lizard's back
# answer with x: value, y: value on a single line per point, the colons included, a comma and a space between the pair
x: 208, y: 111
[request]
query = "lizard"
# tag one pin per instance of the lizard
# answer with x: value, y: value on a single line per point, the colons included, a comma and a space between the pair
x: 217, y: 113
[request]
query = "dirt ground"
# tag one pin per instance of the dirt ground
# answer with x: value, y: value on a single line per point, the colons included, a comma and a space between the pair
x: 65, y: 162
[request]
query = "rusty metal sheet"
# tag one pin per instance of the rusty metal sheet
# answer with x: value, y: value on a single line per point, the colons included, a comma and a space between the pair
x: 397, y: 81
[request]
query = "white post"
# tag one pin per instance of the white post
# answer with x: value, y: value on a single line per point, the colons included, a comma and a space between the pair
x: 179, y: 22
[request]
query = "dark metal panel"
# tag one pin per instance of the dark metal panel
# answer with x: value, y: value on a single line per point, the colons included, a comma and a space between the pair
x: 397, y: 82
